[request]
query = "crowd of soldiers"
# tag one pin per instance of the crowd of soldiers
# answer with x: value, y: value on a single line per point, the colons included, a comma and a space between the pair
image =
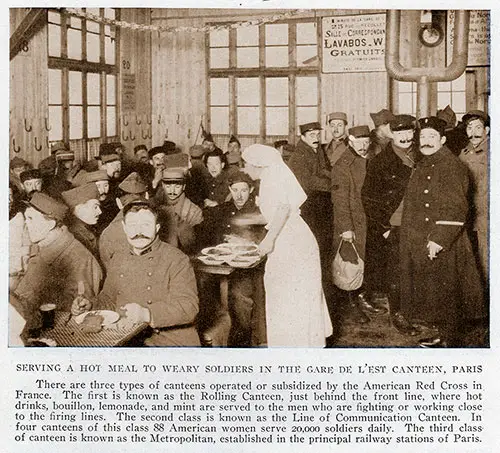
x: 117, y: 231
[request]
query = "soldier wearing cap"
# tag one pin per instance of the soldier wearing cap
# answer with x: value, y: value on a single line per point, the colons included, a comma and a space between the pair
x: 113, y: 239
x: 64, y: 173
x: 177, y: 214
x: 196, y: 189
x: 16, y: 167
x: 246, y: 288
x: 209, y: 143
x: 234, y: 152
x: 31, y: 181
x: 151, y: 282
x: 312, y: 170
x: 439, y: 279
x: 381, y: 135
x: 85, y: 208
x: 157, y: 165
x: 476, y: 157
x: 387, y: 176
x: 337, y: 124
x: 456, y: 136
x: 141, y: 154
x: 349, y: 221
x: 59, y: 262
x: 99, y: 177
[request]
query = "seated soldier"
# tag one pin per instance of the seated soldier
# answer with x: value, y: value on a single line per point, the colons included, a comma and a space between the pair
x: 218, y: 191
x: 83, y: 202
x: 57, y: 266
x: 246, y: 290
x: 152, y: 282
x: 113, y: 239
x: 99, y: 177
x: 178, y: 214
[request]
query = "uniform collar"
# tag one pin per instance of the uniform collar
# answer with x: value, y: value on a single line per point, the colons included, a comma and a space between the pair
x: 406, y: 156
x: 153, y: 247
x: 434, y: 158
x: 483, y: 146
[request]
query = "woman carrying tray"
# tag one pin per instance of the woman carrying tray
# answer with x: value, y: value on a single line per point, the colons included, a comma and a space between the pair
x: 296, y: 312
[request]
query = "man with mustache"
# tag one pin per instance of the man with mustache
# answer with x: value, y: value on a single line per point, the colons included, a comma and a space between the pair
x: 312, y: 169
x: 31, y: 181
x: 151, y: 282
x: 337, y: 123
x: 476, y: 156
x: 387, y: 176
x: 439, y: 279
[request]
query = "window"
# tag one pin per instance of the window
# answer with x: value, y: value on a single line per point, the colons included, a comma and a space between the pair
x: 453, y: 94
x: 407, y: 98
x: 82, y: 76
x: 263, y: 79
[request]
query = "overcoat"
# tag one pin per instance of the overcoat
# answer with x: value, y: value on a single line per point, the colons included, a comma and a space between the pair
x: 436, y: 208
x: 348, y: 175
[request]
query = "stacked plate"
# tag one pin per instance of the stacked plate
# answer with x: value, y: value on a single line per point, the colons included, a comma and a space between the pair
x: 236, y: 255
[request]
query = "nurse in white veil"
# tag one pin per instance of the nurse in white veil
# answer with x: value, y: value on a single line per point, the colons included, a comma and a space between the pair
x: 296, y: 312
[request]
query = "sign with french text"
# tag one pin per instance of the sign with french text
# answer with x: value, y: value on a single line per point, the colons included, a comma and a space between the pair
x: 354, y: 43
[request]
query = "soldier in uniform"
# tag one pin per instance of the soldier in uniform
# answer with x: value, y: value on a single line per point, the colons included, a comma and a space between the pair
x: 31, y: 181
x: 337, y: 123
x: 178, y: 215
x: 218, y: 191
x: 84, y: 204
x: 385, y: 183
x: 381, y: 135
x: 476, y: 155
x: 151, y: 282
x: 113, y: 239
x: 439, y: 279
x: 57, y: 263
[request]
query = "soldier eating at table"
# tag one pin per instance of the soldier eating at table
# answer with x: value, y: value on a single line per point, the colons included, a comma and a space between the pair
x: 152, y: 282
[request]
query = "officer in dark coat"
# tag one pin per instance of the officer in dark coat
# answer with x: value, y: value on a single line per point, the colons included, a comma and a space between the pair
x: 439, y: 279
x: 385, y: 183
x: 312, y: 169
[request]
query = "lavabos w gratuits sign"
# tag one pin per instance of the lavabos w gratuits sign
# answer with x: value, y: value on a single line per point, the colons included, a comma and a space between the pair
x: 354, y: 43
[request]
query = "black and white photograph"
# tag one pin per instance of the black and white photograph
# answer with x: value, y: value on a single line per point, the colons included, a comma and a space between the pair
x: 249, y: 178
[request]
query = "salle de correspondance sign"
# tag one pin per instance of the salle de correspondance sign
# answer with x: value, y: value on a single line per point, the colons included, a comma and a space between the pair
x: 354, y: 43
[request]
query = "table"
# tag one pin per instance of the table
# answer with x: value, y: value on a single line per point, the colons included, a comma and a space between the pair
x: 218, y: 333
x: 69, y: 333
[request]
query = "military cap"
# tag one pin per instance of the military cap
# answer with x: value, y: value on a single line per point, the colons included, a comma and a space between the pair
x: 58, y: 146
x: 207, y: 136
x: 448, y: 115
x: 117, y: 146
x: 177, y: 160
x: 48, y: 206
x: 139, y: 147
x: 433, y: 122
x: 32, y: 173
x: 384, y: 116
x: 84, y: 177
x: 64, y: 154
x: 80, y: 195
x: 476, y: 114
x: 402, y: 123
x: 359, y: 131
x: 156, y: 150
x: 196, y: 151
x: 147, y: 204
x: 109, y: 158
x: 336, y: 116
x: 279, y: 143
x: 48, y: 165
x: 17, y: 162
x: 173, y: 175
x: 309, y: 127
x: 233, y: 139
x: 133, y: 183
x: 240, y: 176
x: 169, y: 147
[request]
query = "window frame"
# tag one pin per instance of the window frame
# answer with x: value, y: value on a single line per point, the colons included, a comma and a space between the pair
x: 101, y: 68
x: 263, y: 72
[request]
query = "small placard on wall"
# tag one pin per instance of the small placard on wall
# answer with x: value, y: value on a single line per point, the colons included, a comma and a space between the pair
x: 128, y: 92
x: 354, y: 43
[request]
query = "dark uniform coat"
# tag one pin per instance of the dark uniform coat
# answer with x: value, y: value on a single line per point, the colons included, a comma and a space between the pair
x: 55, y: 270
x: 436, y: 209
x: 348, y: 175
x: 312, y: 170
x: 162, y: 280
x: 85, y: 234
x: 383, y: 190
x: 218, y: 187
x: 335, y: 149
x: 112, y: 240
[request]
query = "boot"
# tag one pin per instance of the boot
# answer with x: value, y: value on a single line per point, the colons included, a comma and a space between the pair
x: 357, y: 315
x: 367, y: 307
